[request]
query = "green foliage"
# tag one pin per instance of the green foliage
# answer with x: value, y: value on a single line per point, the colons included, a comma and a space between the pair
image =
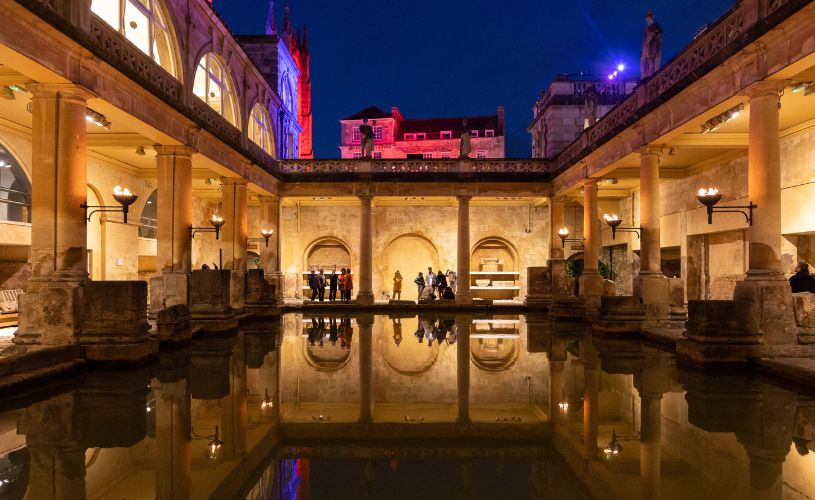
x: 572, y: 269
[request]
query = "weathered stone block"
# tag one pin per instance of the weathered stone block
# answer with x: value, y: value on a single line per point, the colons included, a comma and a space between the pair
x: 210, y: 292
x: 51, y: 314
x: 771, y: 311
x: 609, y: 288
x: 114, y: 323
x: 173, y: 324
x: 619, y: 315
x: 259, y: 292
x: 720, y: 332
x: 167, y: 290
x: 538, y: 286
x: 804, y: 306
x: 237, y: 289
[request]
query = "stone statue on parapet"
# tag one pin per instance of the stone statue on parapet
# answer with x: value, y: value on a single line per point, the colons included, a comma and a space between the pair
x: 651, y: 47
x: 366, y: 134
x: 464, y: 144
x: 591, y: 98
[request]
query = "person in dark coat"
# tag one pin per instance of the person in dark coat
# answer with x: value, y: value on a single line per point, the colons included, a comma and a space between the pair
x: 321, y: 285
x: 312, y: 284
x: 441, y: 283
x: 333, y: 280
x: 802, y: 281
x: 419, y: 283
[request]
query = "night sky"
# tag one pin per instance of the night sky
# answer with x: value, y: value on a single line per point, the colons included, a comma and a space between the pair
x: 434, y: 58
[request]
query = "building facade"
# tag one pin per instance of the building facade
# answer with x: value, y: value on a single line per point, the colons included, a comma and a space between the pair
x: 397, y: 137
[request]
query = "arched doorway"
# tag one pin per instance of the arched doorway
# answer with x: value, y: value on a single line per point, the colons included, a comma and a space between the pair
x: 327, y: 253
x: 409, y: 254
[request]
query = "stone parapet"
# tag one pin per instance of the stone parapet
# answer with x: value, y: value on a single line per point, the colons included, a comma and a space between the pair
x: 804, y: 306
x: 210, y: 307
x: 167, y: 290
x: 719, y: 332
x: 260, y: 297
x: 619, y: 315
x: 173, y: 324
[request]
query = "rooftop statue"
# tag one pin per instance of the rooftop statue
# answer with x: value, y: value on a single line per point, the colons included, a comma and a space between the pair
x: 651, y: 47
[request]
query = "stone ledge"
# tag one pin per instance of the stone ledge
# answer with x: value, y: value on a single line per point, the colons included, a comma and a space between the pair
x: 22, y: 365
x: 799, y: 370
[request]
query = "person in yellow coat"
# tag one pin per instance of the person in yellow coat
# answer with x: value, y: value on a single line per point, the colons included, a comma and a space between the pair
x: 397, y: 286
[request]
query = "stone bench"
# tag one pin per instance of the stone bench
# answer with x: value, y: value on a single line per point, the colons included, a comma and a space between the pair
x: 803, y: 304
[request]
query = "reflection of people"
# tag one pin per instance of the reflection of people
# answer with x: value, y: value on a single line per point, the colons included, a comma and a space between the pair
x: 397, y: 285
x: 366, y: 135
x: 397, y: 331
x: 802, y: 281
x: 332, y: 331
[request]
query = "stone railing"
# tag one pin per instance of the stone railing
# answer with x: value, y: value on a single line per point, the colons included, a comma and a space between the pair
x: 722, y: 39
x: 398, y: 169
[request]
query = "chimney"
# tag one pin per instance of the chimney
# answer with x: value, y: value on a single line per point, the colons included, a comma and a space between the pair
x: 500, y: 113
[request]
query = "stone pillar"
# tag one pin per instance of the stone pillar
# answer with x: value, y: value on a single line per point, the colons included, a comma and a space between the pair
x: 50, y: 312
x: 173, y: 439
x: 463, y: 294
x: 365, y: 323
x: 365, y: 294
x: 591, y: 283
x: 557, y: 262
x: 591, y: 396
x: 270, y: 255
x: 233, y: 235
x: 765, y: 286
x: 653, y: 287
x: 463, y: 324
x: 650, y: 444
x: 170, y: 286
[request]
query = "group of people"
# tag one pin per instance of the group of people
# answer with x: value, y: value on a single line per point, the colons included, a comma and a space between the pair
x: 802, y: 281
x: 433, y: 286
x: 342, y: 283
x: 336, y: 331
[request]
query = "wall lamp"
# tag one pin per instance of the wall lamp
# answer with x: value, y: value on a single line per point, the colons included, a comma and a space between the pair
x: 564, y: 237
x: 717, y: 121
x: 266, y: 233
x: 120, y: 194
x: 613, y: 220
x: 97, y: 119
x: 216, y: 221
x: 710, y: 197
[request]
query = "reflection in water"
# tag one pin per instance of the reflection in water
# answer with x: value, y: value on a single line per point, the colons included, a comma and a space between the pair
x: 350, y: 407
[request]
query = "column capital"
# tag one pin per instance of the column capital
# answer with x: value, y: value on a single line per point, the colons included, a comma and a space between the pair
x: 590, y: 182
x: 650, y: 150
x: 238, y: 181
x: 365, y: 199
x: 463, y: 198
x: 765, y: 88
x: 173, y: 150
x: 60, y: 90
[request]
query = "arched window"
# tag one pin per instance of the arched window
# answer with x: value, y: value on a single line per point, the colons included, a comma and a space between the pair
x: 144, y: 23
x: 213, y: 85
x: 260, y: 129
x: 148, y: 225
x: 15, y: 189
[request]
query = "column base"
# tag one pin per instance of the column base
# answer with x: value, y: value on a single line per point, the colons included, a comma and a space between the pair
x: 591, y: 291
x: 168, y: 290
x: 770, y: 296
x: 365, y: 298
x: 210, y: 308
x: 464, y: 298
x: 719, y: 333
x: 654, y: 290
x: 277, y: 279
x: 619, y: 316
x: 50, y: 313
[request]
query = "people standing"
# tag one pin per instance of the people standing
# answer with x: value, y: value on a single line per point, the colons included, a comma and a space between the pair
x: 321, y: 285
x: 349, y: 285
x: 397, y: 286
x: 441, y: 283
x: 451, y: 280
x: 333, y: 281
x: 802, y: 281
x: 419, y: 283
x: 312, y: 284
x: 430, y: 279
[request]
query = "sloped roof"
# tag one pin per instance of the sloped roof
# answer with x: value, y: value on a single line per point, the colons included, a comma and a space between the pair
x: 371, y: 113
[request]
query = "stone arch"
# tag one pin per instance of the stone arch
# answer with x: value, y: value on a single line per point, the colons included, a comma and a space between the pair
x: 494, y: 354
x: 408, y: 357
x: 409, y: 253
x: 95, y: 240
x: 325, y: 356
x: 495, y: 247
x: 327, y: 248
x: 214, y: 84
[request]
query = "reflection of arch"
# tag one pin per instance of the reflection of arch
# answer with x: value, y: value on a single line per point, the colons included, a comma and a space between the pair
x: 409, y: 357
x: 495, y: 247
x: 410, y: 253
x: 327, y: 252
x: 95, y: 236
x: 325, y: 356
x: 494, y: 354
x: 148, y: 224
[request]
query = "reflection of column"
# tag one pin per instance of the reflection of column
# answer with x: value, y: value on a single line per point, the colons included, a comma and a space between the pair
x: 463, y: 294
x: 173, y: 438
x: 556, y: 390
x: 365, y: 324
x: 591, y: 284
x: 270, y: 254
x: 234, y: 234
x: 650, y: 448
x: 591, y: 395
x: 766, y: 479
x: 365, y: 295
x: 58, y: 228
x: 463, y: 324
x: 234, y: 415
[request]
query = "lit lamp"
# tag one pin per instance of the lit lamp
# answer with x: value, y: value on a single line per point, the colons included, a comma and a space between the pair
x: 613, y: 448
x: 216, y: 221
x: 710, y: 197
x: 266, y: 233
x: 267, y: 405
x: 563, y: 405
x: 120, y: 194
x: 564, y: 236
x: 214, y: 447
x: 613, y: 220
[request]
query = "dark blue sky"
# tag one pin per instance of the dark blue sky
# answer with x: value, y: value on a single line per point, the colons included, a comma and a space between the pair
x: 435, y: 58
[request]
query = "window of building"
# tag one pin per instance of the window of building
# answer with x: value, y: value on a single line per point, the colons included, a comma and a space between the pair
x: 446, y: 134
x: 378, y: 133
x: 355, y: 137
x: 377, y: 155
x: 15, y: 189
x: 148, y: 224
x: 489, y: 133
x: 260, y: 129
x: 445, y: 156
x: 473, y: 133
x: 427, y: 156
x: 421, y: 136
x: 481, y: 154
x: 213, y: 85
x: 144, y: 24
x: 356, y: 155
x: 410, y: 137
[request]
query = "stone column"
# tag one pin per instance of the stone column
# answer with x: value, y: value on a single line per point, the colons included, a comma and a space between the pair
x: 463, y: 294
x: 365, y: 294
x: 173, y: 439
x: 463, y: 324
x: 270, y: 255
x: 591, y: 283
x: 557, y: 262
x: 591, y: 396
x: 650, y: 444
x: 365, y: 323
x: 174, y: 246
x: 58, y: 224
x: 765, y: 286
x: 233, y: 235
x: 653, y: 286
